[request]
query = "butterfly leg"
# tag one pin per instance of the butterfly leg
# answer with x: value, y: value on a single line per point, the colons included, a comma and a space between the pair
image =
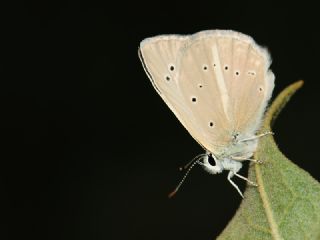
x: 230, y: 175
x: 257, y: 136
x: 246, y: 159
x: 246, y: 179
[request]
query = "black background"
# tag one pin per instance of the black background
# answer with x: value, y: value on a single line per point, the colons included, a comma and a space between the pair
x: 89, y: 149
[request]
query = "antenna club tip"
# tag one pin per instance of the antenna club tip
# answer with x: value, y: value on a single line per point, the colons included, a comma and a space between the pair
x: 170, y: 195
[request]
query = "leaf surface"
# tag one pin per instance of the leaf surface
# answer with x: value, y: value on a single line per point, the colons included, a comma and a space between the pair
x: 286, y: 204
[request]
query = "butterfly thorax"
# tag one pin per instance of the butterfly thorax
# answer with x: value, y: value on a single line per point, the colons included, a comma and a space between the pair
x: 237, y: 148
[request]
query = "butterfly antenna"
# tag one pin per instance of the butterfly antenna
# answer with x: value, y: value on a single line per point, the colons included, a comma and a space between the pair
x: 193, y: 160
x: 184, y: 177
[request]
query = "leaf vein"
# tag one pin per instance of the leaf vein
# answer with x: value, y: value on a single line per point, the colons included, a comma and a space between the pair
x: 265, y: 201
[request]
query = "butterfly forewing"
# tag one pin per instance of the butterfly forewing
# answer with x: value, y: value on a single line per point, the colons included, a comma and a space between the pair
x: 159, y: 56
x: 207, y: 98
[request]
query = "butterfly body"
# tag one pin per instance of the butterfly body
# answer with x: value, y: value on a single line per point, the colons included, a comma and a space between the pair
x: 220, y: 165
x: 217, y: 83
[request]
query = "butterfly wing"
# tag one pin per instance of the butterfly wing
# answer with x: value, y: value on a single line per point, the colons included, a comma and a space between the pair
x: 250, y: 83
x: 159, y: 56
x: 193, y: 75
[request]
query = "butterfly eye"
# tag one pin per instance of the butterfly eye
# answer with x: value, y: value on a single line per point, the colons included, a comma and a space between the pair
x: 211, y: 124
x: 260, y: 89
x: 211, y: 160
x: 226, y: 67
x: 200, y: 86
x: 168, y: 78
x: 194, y: 99
x: 205, y: 67
x: 237, y: 73
x: 171, y: 68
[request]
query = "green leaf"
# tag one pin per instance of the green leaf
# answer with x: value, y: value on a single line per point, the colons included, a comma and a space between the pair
x: 286, y: 204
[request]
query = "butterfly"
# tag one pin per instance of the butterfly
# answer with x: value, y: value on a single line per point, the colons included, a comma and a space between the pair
x: 218, y: 84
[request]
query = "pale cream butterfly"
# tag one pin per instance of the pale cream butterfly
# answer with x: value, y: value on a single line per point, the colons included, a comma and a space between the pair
x: 218, y: 84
